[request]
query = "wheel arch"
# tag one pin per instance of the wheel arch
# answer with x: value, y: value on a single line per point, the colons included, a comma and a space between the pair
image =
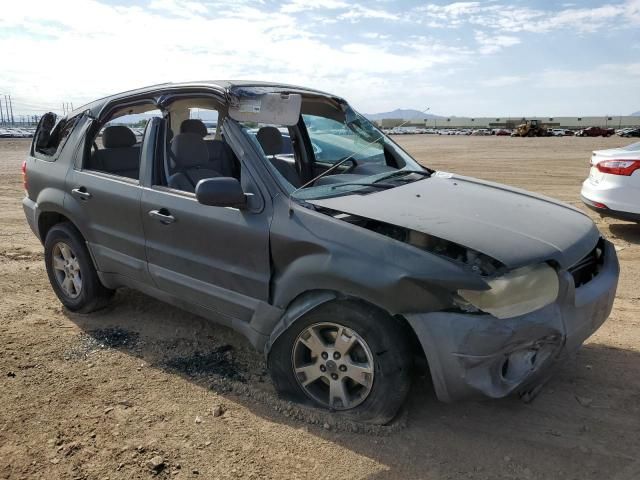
x: 312, y: 299
x: 48, y: 219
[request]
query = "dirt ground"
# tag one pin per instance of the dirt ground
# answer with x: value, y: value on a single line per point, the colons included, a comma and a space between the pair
x: 99, y: 396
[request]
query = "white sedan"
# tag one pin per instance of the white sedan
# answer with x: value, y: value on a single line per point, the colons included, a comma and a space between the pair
x: 613, y: 186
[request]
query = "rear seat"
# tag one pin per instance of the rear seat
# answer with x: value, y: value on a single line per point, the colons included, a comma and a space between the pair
x: 120, y: 155
x: 221, y: 157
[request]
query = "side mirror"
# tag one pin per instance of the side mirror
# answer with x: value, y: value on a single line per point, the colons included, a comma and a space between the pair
x: 221, y: 192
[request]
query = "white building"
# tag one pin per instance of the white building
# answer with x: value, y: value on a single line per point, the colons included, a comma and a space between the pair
x: 552, y: 122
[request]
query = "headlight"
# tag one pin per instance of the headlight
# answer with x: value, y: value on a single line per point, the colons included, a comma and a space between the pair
x: 518, y: 292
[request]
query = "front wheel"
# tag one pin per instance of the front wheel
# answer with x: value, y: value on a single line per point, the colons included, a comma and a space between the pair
x: 345, y: 356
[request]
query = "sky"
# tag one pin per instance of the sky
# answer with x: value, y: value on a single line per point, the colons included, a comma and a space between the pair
x: 472, y: 58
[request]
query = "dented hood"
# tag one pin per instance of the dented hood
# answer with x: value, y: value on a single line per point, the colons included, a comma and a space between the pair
x: 511, y: 225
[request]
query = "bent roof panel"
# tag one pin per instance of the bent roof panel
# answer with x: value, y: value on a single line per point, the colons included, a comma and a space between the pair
x: 220, y: 85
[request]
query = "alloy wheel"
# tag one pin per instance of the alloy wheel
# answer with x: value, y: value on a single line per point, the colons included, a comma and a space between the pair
x: 66, y: 267
x: 333, y: 365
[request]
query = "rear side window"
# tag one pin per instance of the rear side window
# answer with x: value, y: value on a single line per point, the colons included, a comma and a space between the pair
x: 114, y: 147
x: 51, y: 135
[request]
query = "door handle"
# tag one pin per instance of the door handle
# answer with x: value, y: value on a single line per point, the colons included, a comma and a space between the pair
x: 81, y: 193
x: 162, y: 215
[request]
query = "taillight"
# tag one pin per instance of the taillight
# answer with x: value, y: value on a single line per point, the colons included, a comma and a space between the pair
x: 24, y: 175
x: 618, y: 167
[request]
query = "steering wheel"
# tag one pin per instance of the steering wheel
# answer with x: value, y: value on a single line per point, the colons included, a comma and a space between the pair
x: 353, y: 166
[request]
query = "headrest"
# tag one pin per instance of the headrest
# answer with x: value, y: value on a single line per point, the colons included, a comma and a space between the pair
x: 189, y: 150
x: 270, y: 140
x: 118, y: 136
x: 193, y: 125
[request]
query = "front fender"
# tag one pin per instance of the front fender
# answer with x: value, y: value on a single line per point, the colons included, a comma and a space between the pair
x: 299, y: 307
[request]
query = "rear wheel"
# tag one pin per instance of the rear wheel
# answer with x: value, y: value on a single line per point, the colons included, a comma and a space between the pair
x: 347, y: 357
x: 71, y: 272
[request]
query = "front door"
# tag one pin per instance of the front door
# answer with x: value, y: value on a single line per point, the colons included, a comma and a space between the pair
x: 213, y: 257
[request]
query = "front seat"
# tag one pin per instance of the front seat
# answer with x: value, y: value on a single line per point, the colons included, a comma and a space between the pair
x: 191, y: 158
x: 194, y: 125
x: 221, y: 157
x: 270, y: 139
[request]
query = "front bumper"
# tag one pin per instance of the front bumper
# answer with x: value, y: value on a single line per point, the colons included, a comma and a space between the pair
x: 474, y: 355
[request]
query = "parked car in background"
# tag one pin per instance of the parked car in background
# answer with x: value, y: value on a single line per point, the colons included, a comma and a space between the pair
x: 501, y: 132
x: 557, y: 132
x: 332, y: 251
x: 633, y: 132
x: 16, y: 132
x: 595, y: 132
x: 613, y: 186
x: 481, y: 132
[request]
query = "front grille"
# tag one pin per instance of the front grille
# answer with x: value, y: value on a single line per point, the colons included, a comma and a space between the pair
x: 586, y: 269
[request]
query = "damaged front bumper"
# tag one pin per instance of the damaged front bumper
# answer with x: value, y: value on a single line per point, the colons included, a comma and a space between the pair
x: 474, y: 355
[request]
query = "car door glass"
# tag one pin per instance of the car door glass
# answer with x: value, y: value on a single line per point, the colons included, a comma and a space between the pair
x: 51, y: 135
x: 116, y: 148
x: 334, y: 140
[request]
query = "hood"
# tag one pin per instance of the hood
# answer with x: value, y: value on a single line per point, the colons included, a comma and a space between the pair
x: 513, y: 226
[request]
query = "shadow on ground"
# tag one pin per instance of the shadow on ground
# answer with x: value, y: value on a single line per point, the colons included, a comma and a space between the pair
x: 587, y: 416
x: 629, y: 232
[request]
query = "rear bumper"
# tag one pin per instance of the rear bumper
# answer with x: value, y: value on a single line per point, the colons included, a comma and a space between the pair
x: 476, y: 355
x: 608, y: 212
x: 619, y: 193
x: 31, y: 212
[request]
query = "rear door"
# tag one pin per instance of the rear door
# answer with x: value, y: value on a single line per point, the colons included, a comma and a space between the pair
x: 108, y: 207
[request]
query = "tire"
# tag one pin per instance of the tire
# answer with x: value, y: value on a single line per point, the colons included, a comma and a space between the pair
x: 379, y: 397
x: 83, y: 292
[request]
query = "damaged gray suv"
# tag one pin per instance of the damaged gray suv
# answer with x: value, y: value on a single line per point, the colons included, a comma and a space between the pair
x: 297, y: 223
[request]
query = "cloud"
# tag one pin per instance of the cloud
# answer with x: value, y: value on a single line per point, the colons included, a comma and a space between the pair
x: 515, y: 18
x: 295, y: 6
x: 503, y: 81
x: 489, y: 43
x: 378, y: 54
x: 182, y: 9
x: 605, y: 75
x: 357, y: 12
x: 94, y: 49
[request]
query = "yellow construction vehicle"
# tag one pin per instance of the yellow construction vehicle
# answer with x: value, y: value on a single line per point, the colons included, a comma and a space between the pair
x: 531, y: 128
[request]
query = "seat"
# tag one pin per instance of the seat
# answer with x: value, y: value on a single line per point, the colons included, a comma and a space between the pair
x: 191, y: 157
x: 193, y: 125
x: 272, y: 143
x: 120, y: 155
x: 221, y: 156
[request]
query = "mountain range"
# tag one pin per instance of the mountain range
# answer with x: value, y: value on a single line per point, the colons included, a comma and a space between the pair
x: 403, y: 113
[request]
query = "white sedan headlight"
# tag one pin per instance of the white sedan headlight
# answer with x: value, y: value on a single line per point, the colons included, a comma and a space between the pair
x: 517, y: 292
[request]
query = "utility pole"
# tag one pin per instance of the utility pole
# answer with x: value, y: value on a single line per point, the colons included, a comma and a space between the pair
x: 6, y: 107
x: 11, y: 106
x: 1, y: 114
x: 64, y: 109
